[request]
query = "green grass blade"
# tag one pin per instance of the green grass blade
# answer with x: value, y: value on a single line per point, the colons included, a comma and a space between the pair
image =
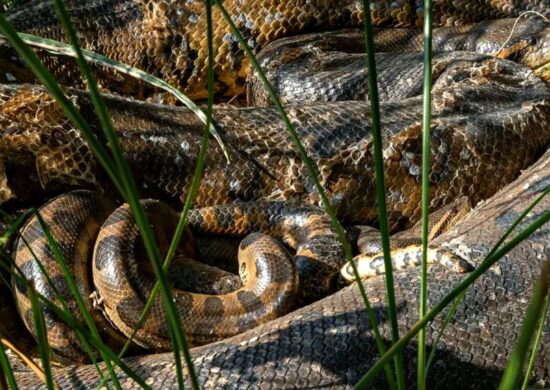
x: 74, y: 291
x: 448, y: 318
x: 196, y: 176
x: 380, y: 190
x: 501, y: 240
x: 61, y: 48
x: 123, y: 182
x: 91, y: 83
x: 204, y: 141
x: 536, y: 344
x: 313, y: 174
x: 60, y: 298
x: 65, y: 308
x: 426, y: 136
x: 72, y: 113
x: 42, y: 338
x: 489, y: 260
x: 534, y: 315
x: 130, y: 189
x: 71, y: 321
x: 14, y: 227
x: 6, y: 373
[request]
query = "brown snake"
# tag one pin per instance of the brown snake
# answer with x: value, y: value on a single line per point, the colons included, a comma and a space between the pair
x: 266, y: 168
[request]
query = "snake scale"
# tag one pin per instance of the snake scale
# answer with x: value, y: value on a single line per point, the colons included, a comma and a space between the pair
x: 41, y: 141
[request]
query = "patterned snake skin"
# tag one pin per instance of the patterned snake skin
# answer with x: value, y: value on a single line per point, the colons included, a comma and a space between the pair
x: 122, y: 278
x: 524, y: 124
x: 329, y: 344
x: 465, y: 161
x: 167, y: 38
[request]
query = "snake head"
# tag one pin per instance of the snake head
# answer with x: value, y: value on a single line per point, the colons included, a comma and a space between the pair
x: 537, y: 56
x: 38, y: 142
x: 527, y: 42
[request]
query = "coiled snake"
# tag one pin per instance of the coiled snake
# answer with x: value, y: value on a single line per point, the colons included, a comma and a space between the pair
x: 466, y: 161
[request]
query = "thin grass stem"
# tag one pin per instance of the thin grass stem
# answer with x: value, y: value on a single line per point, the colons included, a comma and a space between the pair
x: 60, y: 48
x: 60, y: 298
x: 314, y: 176
x: 7, y: 379
x: 72, y: 322
x: 489, y: 260
x: 124, y: 183
x: 380, y: 189
x: 448, y: 318
x: 536, y: 344
x: 71, y: 283
x: 501, y: 240
x: 196, y: 177
x: 426, y: 135
x: 41, y: 337
x: 513, y: 372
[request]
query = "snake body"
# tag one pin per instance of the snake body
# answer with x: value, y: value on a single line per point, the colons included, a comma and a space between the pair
x: 484, y: 110
x: 161, y: 144
x: 121, y: 279
x: 265, y: 167
x: 329, y: 344
x: 167, y: 38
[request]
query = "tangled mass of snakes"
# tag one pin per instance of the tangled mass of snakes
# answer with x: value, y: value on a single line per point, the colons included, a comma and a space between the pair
x: 289, y: 319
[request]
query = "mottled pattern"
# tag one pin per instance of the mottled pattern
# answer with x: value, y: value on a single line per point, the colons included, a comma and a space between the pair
x: 306, y: 229
x: 167, y: 38
x: 267, y: 272
x: 403, y: 258
x: 330, y: 66
x: 73, y: 222
x: 489, y: 122
x: 329, y: 344
x: 406, y: 246
x: 123, y: 277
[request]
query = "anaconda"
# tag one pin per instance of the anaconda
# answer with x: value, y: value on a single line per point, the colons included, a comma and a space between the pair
x: 167, y: 38
x: 329, y: 344
x: 483, y: 109
x: 262, y: 157
x: 487, y: 71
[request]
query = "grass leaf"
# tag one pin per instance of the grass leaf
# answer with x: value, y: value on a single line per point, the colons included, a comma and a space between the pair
x: 534, y: 315
x: 426, y: 137
x: 489, y: 260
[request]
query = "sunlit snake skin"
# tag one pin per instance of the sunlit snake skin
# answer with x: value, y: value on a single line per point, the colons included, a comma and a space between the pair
x: 330, y: 66
x: 329, y: 344
x: 482, y: 72
x: 167, y: 38
x: 122, y: 278
x: 406, y: 245
x: 260, y: 153
x: 484, y: 112
x: 266, y: 269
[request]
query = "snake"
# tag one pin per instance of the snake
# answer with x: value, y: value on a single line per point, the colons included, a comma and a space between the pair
x: 267, y: 168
